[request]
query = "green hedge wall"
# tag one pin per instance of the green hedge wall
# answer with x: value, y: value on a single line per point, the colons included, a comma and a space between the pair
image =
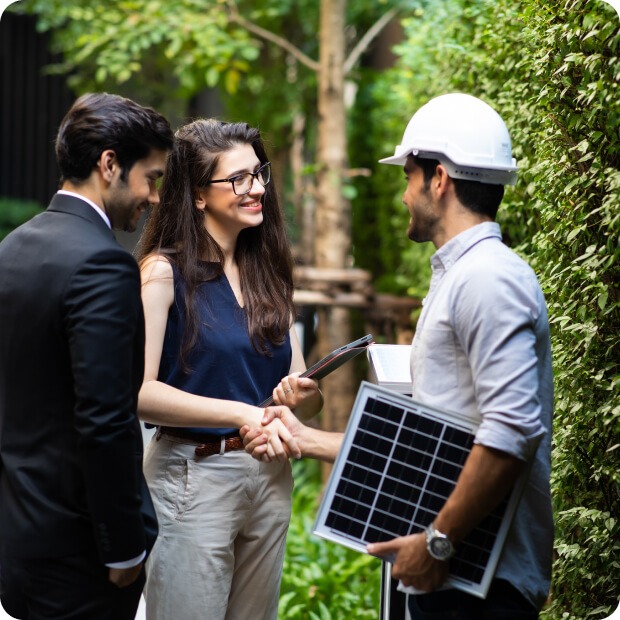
x: 552, y: 70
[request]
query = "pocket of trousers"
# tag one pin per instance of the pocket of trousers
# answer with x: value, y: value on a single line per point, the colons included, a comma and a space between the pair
x: 185, y: 489
x: 178, y: 488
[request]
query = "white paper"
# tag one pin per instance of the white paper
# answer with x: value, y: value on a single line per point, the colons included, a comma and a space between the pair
x: 391, y: 365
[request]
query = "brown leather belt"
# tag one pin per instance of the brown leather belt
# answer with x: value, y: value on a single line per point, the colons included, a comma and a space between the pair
x: 206, y: 444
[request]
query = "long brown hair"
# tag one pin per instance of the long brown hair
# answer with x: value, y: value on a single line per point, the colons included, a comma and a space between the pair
x: 176, y: 229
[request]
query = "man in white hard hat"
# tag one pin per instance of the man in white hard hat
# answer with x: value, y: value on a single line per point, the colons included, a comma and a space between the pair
x: 481, y: 348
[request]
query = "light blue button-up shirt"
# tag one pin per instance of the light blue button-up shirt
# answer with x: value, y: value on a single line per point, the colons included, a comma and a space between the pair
x: 482, y: 349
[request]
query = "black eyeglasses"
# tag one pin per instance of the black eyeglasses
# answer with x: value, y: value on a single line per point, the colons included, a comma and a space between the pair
x: 242, y: 183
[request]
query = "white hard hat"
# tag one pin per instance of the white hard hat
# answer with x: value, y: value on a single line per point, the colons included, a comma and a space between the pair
x: 465, y: 134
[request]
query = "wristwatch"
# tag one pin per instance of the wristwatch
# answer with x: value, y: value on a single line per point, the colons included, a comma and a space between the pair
x: 438, y: 545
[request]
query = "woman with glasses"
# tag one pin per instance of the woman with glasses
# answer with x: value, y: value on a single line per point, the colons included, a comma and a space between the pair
x: 217, y: 290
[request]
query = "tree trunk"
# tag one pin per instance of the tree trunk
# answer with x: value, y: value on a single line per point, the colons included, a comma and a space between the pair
x: 332, y: 244
x: 303, y: 193
x: 332, y: 239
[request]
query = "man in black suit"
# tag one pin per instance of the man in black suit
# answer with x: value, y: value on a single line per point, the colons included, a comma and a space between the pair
x: 76, y: 519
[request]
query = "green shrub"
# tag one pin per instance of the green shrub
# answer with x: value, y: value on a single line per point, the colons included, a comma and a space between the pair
x: 552, y: 70
x: 322, y: 580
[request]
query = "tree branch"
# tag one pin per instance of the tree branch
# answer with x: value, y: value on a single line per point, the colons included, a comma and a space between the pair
x: 350, y: 62
x: 273, y: 38
x: 365, y: 41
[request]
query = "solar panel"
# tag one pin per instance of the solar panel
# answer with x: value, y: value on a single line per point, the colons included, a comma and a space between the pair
x: 398, y: 463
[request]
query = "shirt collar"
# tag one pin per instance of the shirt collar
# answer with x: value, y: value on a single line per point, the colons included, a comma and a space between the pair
x: 97, y: 208
x: 450, y: 252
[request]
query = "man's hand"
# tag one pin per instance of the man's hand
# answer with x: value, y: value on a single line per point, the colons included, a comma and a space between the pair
x: 123, y: 577
x: 412, y: 563
x: 310, y: 442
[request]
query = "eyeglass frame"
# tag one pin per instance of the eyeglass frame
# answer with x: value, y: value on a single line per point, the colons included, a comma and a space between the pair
x: 254, y: 175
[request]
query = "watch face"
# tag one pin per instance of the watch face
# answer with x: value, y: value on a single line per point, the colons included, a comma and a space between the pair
x: 441, y: 548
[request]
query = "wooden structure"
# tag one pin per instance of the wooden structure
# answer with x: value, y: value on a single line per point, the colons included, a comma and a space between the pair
x: 386, y: 316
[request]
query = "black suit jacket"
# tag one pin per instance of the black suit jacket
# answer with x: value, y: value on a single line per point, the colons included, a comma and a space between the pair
x: 71, y: 365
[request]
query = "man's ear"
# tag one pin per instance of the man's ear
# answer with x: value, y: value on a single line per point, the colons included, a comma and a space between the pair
x: 107, y: 164
x: 441, y: 181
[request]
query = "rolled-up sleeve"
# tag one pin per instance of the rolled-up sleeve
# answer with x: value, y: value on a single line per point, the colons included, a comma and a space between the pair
x: 495, y: 315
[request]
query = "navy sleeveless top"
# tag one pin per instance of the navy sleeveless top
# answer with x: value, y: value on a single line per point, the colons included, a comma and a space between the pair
x: 223, y: 363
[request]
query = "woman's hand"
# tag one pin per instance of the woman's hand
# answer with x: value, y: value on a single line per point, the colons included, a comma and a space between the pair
x: 300, y: 394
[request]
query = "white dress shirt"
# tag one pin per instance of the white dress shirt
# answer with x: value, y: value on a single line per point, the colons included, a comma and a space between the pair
x: 482, y: 348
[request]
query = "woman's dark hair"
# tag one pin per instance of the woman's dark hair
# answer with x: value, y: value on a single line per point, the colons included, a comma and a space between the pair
x: 99, y: 121
x: 176, y: 229
x: 482, y: 198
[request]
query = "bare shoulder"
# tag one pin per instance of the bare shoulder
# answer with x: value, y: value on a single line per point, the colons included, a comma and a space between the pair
x: 156, y: 268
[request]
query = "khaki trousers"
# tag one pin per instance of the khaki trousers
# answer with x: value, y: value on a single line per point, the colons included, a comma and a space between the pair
x: 222, y: 530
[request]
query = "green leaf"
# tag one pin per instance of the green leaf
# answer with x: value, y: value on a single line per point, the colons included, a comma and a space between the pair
x: 231, y: 80
x: 212, y: 77
x: 250, y: 53
x: 349, y: 192
x: 101, y: 74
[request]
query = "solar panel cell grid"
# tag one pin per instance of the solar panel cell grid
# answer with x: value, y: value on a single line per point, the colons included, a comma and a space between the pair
x: 399, y: 463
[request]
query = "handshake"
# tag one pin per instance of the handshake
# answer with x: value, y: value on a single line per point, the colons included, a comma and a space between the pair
x: 282, y: 435
x: 278, y: 438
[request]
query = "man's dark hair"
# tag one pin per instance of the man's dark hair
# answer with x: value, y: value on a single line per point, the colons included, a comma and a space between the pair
x: 482, y: 198
x: 99, y: 121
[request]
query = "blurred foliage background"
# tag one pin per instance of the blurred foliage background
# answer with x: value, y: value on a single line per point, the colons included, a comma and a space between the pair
x: 552, y: 70
x: 15, y: 212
